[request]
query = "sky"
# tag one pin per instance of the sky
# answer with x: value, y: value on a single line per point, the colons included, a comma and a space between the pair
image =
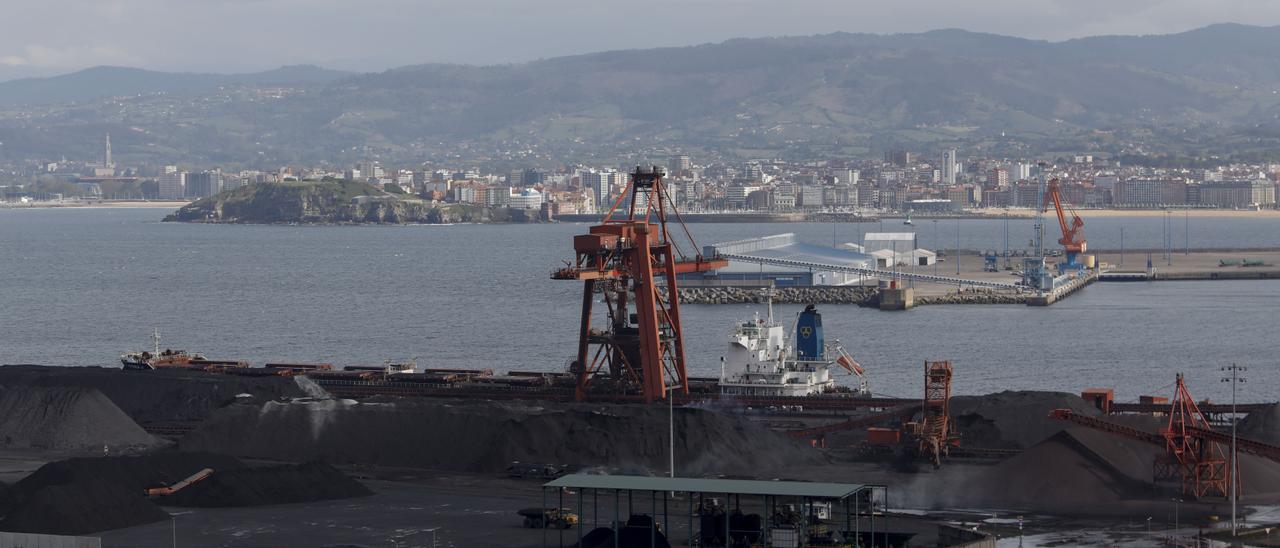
x: 44, y: 37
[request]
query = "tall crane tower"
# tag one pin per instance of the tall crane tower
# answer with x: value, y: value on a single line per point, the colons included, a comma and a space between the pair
x: 639, y: 350
x: 1072, y: 239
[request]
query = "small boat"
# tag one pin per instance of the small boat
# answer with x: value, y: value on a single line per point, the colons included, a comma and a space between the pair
x: 908, y: 220
x: 156, y: 358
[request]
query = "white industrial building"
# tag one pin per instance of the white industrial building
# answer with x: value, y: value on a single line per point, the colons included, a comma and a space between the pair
x: 896, y: 248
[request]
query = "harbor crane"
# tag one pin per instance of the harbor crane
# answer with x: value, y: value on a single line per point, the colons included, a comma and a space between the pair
x: 640, y: 349
x: 1072, y: 240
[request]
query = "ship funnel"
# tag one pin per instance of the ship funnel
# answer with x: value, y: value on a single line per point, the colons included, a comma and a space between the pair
x: 809, y: 342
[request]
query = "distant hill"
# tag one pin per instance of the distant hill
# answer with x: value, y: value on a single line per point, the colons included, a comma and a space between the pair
x: 1207, y: 91
x: 92, y: 83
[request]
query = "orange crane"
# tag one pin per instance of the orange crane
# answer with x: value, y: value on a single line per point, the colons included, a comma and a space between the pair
x: 1193, y: 450
x: 628, y: 259
x: 1072, y: 234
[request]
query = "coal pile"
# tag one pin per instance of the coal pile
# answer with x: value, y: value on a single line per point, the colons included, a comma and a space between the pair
x: 1013, y: 419
x: 80, y: 508
x: 86, y: 495
x: 487, y: 436
x: 1263, y: 426
x: 1078, y: 467
x: 1081, y: 471
x: 67, y: 419
x: 270, y: 485
x: 154, y: 396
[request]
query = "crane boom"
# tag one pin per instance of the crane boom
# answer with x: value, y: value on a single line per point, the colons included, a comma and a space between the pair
x: 1072, y: 234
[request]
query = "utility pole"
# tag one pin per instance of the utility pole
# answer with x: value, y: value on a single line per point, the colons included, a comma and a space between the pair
x: 1186, y: 231
x: 1235, y: 379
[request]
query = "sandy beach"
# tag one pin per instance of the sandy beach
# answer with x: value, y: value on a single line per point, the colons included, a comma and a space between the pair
x: 1087, y: 213
x: 112, y: 204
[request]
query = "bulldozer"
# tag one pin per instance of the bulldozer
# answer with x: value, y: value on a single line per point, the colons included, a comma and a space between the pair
x: 548, y: 518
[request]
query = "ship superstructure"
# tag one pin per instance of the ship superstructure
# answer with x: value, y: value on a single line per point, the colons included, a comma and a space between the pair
x: 762, y: 362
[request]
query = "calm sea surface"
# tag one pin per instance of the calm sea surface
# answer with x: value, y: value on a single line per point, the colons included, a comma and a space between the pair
x: 81, y: 286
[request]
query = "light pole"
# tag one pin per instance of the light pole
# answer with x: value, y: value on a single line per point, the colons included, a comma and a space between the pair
x: 936, y: 247
x: 1235, y: 379
x: 1176, y: 501
x: 671, y: 425
x: 957, y: 246
x: 1122, y: 246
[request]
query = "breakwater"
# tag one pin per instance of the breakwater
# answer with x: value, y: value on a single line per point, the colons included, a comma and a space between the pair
x: 857, y: 295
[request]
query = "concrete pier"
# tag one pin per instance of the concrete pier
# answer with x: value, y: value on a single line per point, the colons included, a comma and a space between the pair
x: 1060, y: 292
x: 902, y: 298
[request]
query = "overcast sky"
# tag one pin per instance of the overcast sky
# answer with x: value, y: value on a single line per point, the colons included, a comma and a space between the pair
x: 44, y: 36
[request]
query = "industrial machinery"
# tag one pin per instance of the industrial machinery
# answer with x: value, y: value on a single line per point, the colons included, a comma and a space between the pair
x: 548, y: 518
x: 934, y: 429
x: 640, y: 349
x: 1072, y: 239
x: 1194, y: 452
x: 171, y: 489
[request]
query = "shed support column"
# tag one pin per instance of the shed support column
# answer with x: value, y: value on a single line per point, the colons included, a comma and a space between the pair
x: 727, y: 533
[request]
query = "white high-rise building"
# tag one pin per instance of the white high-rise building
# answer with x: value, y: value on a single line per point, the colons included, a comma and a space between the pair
x: 1020, y: 171
x: 950, y: 165
x: 173, y: 185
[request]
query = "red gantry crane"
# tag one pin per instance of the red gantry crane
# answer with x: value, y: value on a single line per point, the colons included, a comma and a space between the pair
x: 1072, y: 239
x: 1193, y: 449
x: 640, y: 348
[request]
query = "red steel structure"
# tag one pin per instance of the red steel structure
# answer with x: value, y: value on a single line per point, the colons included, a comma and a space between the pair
x: 1199, y: 461
x: 640, y: 349
x: 1072, y: 235
x: 935, y: 423
x: 1194, y: 454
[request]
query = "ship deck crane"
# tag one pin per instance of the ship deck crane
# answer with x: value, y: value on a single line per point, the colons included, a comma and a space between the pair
x: 1072, y: 240
x: 640, y: 349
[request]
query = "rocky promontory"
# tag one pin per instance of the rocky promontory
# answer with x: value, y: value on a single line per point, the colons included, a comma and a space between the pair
x: 336, y: 202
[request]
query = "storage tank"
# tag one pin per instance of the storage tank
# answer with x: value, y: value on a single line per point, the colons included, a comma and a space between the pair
x: 1090, y: 261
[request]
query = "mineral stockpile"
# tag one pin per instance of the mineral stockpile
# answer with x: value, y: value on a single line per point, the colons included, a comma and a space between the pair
x: 487, y: 436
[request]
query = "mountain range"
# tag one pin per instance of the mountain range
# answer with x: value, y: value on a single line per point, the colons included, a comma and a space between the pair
x: 1205, y: 92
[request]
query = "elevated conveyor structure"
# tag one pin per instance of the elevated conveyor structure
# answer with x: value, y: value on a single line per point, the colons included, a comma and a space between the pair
x: 865, y: 271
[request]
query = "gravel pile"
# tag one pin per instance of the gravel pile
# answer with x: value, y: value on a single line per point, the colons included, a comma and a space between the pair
x: 486, y: 436
x: 67, y: 419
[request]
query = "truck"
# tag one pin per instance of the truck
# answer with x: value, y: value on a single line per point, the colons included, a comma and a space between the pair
x: 548, y: 518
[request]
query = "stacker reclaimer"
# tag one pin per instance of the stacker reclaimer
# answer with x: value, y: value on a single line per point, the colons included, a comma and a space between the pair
x: 640, y: 348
